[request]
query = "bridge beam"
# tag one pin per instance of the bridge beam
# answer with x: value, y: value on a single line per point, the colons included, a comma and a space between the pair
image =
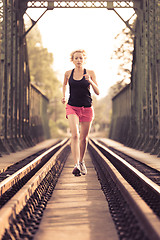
x: 109, y: 4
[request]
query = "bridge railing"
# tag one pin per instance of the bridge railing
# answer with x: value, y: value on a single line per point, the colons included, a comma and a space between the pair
x: 138, y: 125
x: 38, y: 114
x: 29, y: 126
x: 120, y: 129
x: 23, y: 107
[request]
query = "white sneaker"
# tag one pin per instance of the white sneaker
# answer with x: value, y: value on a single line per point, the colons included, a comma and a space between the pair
x: 83, y: 168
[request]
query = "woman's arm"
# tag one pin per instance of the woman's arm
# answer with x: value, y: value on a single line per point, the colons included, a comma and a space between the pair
x: 91, y: 78
x: 66, y: 77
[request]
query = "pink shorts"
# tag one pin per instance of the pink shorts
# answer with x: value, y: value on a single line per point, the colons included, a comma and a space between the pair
x: 85, y: 114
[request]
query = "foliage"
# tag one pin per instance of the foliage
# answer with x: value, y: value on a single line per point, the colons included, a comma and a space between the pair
x: 40, y: 63
x: 43, y: 76
x: 123, y: 54
x: 116, y: 88
x: 102, y: 108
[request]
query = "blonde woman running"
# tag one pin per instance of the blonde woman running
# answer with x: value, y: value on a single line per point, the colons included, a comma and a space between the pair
x: 79, y: 108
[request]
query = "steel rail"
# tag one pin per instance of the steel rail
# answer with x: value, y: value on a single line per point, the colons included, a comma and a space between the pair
x: 14, y: 178
x: 140, y: 175
x: 147, y: 218
x: 14, y: 206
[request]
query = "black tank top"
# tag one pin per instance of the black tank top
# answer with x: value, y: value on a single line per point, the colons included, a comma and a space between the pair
x: 79, y: 90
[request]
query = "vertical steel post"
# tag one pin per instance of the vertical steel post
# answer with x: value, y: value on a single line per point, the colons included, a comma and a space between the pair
x: 11, y: 73
x: 1, y: 72
x: 5, y: 71
x: 16, y: 42
x: 20, y: 77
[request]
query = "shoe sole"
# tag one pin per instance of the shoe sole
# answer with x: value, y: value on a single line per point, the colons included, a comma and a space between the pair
x: 83, y: 172
x: 76, y: 172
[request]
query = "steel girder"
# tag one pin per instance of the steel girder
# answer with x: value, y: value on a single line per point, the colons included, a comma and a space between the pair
x: 50, y: 4
x: 145, y: 82
x: 15, y: 102
x: 144, y: 133
x: 15, y: 83
x: 14, y: 78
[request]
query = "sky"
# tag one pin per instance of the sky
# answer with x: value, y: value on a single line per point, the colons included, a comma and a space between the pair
x: 65, y: 30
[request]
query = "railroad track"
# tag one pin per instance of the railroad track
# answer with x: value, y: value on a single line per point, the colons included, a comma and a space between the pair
x: 139, y: 191
x: 24, y: 190
x: 24, y: 194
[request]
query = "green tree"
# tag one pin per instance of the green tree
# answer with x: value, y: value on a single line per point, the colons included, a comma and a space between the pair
x: 102, y: 108
x: 103, y: 111
x: 123, y: 55
x: 43, y: 75
x: 41, y: 64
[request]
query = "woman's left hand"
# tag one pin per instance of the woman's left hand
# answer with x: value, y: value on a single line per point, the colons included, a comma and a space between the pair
x: 91, y: 78
x: 87, y: 77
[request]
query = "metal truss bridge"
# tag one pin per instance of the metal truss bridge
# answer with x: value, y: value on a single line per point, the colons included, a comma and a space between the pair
x: 136, y: 109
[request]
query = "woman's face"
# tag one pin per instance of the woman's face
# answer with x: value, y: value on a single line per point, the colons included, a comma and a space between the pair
x: 78, y: 59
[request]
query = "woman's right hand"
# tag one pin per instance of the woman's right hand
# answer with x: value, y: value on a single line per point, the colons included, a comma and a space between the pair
x: 63, y: 100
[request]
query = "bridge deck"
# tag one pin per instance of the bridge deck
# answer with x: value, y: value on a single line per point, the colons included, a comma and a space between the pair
x: 8, y: 160
x: 77, y: 209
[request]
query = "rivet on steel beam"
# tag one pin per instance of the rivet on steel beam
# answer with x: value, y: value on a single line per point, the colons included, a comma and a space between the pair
x: 50, y: 6
x: 110, y: 6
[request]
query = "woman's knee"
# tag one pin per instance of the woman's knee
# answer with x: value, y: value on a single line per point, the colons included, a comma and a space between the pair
x: 83, y: 139
x: 75, y: 136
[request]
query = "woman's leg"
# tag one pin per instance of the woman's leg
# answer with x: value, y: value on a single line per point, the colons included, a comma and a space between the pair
x: 74, y: 127
x: 84, y: 131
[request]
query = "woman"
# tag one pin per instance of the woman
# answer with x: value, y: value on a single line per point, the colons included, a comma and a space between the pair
x: 79, y: 108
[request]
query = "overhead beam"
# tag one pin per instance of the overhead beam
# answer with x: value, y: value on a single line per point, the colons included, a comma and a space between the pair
x: 109, y: 4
